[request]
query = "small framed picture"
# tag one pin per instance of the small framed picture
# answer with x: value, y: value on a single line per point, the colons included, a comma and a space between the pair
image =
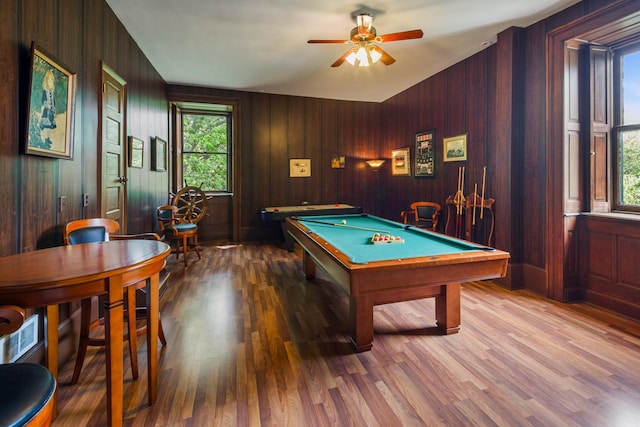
x: 454, y: 148
x: 136, y: 152
x: 159, y: 155
x: 425, y: 154
x: 337, y: 162
x: 400, y: 161
x: 299, y: 168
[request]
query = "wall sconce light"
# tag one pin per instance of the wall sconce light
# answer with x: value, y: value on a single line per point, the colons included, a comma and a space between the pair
x: 375, y: 164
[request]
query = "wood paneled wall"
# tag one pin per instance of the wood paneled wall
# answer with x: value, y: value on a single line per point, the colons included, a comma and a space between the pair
x: 453, y: 102
x: 80, y: 34
x: 610, y: 255
x: 272, y: 129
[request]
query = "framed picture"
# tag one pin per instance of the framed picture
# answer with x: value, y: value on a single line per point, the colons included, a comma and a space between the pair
x: 136, y: 152
x: 400, y: 161
x: 299, y: 168
x: 337, y: 162
x: 425, y: 154
x: 51, y: 109
x: 159, y: 155
x: 454, y: 149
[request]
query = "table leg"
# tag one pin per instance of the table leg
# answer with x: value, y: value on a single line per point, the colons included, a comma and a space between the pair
x: 308, y: 266
x: 361, y: 322
x: 288, y: 240
x: 152, y: 335
x: 113, y: 320
x: 448, y: 309
x: 51, y: 344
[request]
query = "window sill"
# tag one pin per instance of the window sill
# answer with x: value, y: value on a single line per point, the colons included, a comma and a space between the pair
x: 218, y: 194
x: 624, y: 216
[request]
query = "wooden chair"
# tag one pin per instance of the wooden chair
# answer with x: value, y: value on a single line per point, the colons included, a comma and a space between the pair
x: 102, y: 230
x: 180, y: 232
x: 26, y: 395
x: 423, y: 215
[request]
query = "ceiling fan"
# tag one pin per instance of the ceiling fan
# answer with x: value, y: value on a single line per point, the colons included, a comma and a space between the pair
x: 364, y: 38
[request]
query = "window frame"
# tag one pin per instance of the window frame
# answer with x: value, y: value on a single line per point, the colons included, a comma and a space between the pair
x: 617, y: 107
x: 206, y: 109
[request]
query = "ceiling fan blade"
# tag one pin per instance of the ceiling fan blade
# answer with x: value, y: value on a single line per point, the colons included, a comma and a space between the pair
x: 340, y: 60
x: 386, y: 59
x: 329, y: 41
x: 403, y: 35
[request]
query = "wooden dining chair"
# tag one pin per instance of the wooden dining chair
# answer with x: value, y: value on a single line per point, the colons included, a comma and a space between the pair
x: 101, y: 230
x: 178, y: 231
x: 423, y: 215
x: 26, y: 395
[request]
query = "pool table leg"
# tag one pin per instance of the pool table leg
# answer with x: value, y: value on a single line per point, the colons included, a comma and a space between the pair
x: 361, y: 323
x: 308, y: 266
x: 288, y: 240
x: 448, y: 309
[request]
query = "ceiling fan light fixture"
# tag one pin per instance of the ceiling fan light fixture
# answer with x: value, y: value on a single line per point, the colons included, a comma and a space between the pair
x: 364, y: 20
x: 363, y: 38
x: 351, y: 58
x: 363, y: 57
x: 374, y: 54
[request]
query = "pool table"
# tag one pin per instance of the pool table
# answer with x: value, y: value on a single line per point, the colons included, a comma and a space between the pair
x: 420, y: 264
x: 280, y: 213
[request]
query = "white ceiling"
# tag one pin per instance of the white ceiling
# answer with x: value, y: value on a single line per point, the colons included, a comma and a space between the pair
x: 261, y: 45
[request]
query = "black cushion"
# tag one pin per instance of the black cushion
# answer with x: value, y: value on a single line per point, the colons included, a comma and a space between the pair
x: 425, y: 212
x: 25, y: 388
x: 88, y: 235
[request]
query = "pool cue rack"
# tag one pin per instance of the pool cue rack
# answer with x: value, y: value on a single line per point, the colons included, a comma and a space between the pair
x: 473, y: 220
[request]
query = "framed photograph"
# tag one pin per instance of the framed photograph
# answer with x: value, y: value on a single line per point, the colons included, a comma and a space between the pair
x: 454, y: 149
x: 159, y: 155
x: 51, y: 107
x: 401, y: 161
x: 136, y: 152
x: 425, y: 154
x: 337, y: 162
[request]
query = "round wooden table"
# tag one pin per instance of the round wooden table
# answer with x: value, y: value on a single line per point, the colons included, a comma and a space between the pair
x: 49, y: 277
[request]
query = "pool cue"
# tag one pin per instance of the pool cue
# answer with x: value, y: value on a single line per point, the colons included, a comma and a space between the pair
x: 342, y: 225
x: 484, y: 177
x: 475, y: 195
x: 459, y: 201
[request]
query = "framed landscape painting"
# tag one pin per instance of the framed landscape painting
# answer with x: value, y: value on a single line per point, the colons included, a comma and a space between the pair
x: 455, y: 148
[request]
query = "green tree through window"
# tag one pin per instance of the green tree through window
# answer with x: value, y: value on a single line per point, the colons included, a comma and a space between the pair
x: 205, y: 151
x: 629, y: 130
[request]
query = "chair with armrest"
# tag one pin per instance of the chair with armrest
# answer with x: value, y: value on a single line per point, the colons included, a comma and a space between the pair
x: 26, y: 395
x: 102, y: 230
x: 180, y: 232
x: 423, y: 215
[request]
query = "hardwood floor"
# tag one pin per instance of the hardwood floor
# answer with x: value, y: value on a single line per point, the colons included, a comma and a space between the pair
x: 251, y: 343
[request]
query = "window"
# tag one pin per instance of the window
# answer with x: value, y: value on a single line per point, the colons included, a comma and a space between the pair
x: 206, y: 149
x: 627, y: 129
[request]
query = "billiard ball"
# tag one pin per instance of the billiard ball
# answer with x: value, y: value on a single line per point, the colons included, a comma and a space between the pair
x: 344, y: 221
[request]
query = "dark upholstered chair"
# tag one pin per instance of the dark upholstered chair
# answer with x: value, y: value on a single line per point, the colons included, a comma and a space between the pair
x: 423, y: 215
x: 180, y: 232
x: 27, y: 389
x: 100, y: 230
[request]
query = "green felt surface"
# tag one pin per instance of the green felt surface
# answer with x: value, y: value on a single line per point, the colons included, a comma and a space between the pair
x: 356, y: 242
